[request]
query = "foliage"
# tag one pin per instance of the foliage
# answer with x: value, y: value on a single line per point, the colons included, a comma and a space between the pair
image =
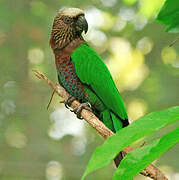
x: 169, y: 15
x: 140, y: 128
x: 137, y: 160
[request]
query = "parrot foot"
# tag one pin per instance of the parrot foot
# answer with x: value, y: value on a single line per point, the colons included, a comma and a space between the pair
x: 68, y: 102
x: 82, y: 106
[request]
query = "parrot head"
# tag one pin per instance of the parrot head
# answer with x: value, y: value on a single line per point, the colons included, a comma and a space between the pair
x: 68, y: 25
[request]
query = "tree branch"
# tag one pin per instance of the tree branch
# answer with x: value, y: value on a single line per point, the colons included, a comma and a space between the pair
x: 151, y: 171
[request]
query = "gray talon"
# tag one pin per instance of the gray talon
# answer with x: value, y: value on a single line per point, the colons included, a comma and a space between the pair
x: 82, y: 106
x: 89, y: 105
x: 68, y: 102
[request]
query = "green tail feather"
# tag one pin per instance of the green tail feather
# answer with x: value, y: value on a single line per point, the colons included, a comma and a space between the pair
x: 111, y: 120
x: 116, y: 122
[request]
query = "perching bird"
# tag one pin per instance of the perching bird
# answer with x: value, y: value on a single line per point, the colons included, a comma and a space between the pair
x: 82, y: 72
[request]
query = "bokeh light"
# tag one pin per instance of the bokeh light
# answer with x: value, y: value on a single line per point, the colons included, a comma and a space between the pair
x: 126, y: 64
x: 96, y: 37
x: 92, y: 12
x: 108, y: 3
x: 136, y: 108
x: 15, y: 138
x: 169, y: 55
x: 54, y: 171
x: 145, y: 45
x: 139, y: 22
x: 9, y: 84
x: 176, y: 176
x: 79, y: 145
x: 176, y: 63
x: 119, y: 24
x: 35, y: 56
x: 127, y: 14
x: 3, y: 37
x: 150, y: 8
x: 65, y: 123
x: 8, y: 106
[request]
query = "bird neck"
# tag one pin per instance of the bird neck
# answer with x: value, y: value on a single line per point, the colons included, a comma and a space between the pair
x: 62, y: 55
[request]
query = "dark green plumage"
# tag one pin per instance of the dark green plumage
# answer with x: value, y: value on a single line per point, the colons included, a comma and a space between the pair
x: 91, y: 70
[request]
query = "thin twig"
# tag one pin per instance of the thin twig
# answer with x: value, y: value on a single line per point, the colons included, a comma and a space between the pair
x: 172, y: 43
x: 48, y: 105
x: 151, y: 171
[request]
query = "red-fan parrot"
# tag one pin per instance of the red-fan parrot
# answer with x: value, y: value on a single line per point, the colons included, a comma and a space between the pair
x: 82, y: 72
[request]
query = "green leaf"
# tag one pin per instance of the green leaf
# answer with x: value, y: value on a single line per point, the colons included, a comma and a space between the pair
x: 169, y: 15
x: 173, y: 28
x: 138, y: 129
x: 137, y: 160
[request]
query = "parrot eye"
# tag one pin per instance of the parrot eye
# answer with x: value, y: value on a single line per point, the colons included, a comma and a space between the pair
x: 67, y: 20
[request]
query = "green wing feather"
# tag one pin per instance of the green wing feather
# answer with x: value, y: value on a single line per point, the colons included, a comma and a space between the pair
x: 92, y: 71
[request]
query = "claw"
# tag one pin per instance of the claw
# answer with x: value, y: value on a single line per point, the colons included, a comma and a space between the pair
x: 82, y: 106
x: 66, y: 105
x: 68, y: 102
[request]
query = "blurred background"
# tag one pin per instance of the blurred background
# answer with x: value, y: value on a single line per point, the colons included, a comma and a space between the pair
x: 37, y: 144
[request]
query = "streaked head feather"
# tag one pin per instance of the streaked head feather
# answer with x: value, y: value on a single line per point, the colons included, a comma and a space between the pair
x: 71, y: 12
x: 63, y: 33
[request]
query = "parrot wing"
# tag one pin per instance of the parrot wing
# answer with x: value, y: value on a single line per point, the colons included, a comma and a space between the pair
x: 92, y: 71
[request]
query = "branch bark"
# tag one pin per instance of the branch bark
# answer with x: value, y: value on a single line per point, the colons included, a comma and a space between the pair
x: 151, y: 171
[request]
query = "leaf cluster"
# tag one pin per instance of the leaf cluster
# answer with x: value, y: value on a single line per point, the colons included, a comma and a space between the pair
x: 134, y: 162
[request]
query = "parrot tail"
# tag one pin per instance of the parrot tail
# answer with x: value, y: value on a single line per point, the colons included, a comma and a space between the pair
x: 114, y: 123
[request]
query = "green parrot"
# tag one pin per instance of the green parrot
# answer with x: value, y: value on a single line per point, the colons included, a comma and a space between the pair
x: 82, y: 72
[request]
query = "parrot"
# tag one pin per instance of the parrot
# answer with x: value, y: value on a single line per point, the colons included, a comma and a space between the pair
x: 82, y: 72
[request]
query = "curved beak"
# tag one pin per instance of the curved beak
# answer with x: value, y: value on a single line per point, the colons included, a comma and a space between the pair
x: 82, y: 24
